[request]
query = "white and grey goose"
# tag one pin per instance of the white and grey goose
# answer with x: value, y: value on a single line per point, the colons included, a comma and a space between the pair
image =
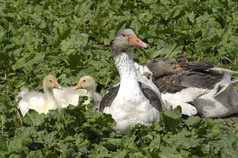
x: 128, y: 105
x: 172, y: 92
x: 221, y: 98
x: 41, y: 102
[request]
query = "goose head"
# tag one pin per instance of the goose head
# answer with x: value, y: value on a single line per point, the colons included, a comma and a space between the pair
x: 124, y: 40
x: 51, y: 82
x: 86, y: 82
x: 163, y: 66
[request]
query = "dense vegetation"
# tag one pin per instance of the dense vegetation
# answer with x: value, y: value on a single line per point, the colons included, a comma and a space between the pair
x: 71, y: 38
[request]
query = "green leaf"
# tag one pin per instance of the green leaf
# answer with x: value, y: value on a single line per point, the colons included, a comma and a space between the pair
x: 136, y: 155
x: 34, y: 154
x: 3, y: 146
x: 193, y: 121
x: 33, y: 118
x: 172, y: 119
x: 191, y: 17
x: 155, y: 144
x: 112, y: 143
x: 169, y: 50
x: 101, y: 151
x: 120, y: 153
x: 186, y: 143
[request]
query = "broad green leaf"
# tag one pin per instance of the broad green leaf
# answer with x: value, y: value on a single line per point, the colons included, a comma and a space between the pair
x: 33, y: 118
x: 169, y: 50
x: 155, y: 143
x: 186, y: 143
x: 120, y: 153
x: 171, y: 119
x: 136, y: 155
x: 193, y: 121
x: 3, y: 146
x: 100, y: 151
x: 112, y: 144
x: 34, y: 154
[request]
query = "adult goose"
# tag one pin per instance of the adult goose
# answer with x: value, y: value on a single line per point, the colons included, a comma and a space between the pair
x: 88, y: 83
x: 41, y: 102
x: 127, y: 102
x: 221, y: 98
x: 164, y: 75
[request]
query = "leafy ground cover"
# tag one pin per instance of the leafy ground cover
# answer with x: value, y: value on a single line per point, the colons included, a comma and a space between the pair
x: 72, y: 38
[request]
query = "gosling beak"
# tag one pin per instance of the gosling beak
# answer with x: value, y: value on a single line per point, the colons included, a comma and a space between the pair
x: 78, y: 86
x: 57, y: 85
x: 136, y: 42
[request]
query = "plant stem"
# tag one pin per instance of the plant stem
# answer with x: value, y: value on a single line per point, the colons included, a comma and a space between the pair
x: 235, y: 128
x: 2, y: 123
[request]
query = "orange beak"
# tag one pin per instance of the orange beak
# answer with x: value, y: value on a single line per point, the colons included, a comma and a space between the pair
x: 57, y: 85
x: 136, y: 42
x: 78, y: 86
x: 178, y: 66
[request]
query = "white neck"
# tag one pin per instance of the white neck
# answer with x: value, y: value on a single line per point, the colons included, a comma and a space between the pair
x: 125, y: 66
x: 90, y: 93
x: 50, y: 102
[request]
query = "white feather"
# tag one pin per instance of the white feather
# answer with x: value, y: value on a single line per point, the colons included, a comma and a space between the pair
x: 218, y: 104
x: 68, y: 96
x: 184, y: 98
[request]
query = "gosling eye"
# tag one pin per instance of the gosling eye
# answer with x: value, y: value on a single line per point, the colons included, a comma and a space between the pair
x: 51, y: 81
x: 124, y: 35
x: 84, y: 80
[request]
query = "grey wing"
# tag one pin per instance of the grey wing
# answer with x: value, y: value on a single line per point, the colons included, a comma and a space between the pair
x: 109, y: 97
x: 206, y: 80
x: 153, y: 98
x: 200, y: 66
x: 168, y: 84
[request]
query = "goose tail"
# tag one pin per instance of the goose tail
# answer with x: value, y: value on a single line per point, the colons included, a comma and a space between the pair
x: 22, y: 92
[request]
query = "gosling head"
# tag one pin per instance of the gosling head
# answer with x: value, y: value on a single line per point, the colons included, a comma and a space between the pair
x: 51, y: 82
x: 86, y: 82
